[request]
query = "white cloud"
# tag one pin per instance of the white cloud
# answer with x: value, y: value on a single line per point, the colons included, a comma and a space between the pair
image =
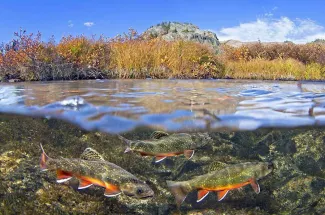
x: 70, y: 24
x: 89, y: 24
x: 269, y: 29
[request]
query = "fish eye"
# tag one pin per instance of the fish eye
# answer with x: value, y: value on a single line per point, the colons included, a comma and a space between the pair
x: 270, y: 165
x: 139, y: 191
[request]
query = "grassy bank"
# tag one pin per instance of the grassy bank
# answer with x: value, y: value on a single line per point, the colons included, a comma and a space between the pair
x: 28, y: 58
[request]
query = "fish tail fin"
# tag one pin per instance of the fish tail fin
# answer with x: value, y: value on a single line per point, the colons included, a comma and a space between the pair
x: 178, y: 190
x: 127, y: 142
x: 43, y: 160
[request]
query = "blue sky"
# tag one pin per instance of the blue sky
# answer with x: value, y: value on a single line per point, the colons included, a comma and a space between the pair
x: 296, y: 20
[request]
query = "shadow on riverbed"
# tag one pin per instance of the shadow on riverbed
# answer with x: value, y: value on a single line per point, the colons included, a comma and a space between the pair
x: 296, y: 186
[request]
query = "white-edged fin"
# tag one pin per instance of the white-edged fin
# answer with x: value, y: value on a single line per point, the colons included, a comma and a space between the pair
x: 112, y: 195
x: 63, y: 180
x: 83, y: 184
x: 201, y: 195
x: 189, y: 154
x: 255, y: 186
x: 222, y: 194
x: 112, y: 190
x: 160, y: 158
x: 84, y: 187
x: 128, y: 149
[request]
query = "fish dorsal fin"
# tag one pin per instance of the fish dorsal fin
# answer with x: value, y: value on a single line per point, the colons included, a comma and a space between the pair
x: 255, y: 186
x: 158, y: 134
x: 91, y: 155
x: 217, y: 165
x: 222, y: 194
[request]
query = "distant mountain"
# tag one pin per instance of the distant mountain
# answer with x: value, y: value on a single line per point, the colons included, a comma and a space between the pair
x: 174, y: 30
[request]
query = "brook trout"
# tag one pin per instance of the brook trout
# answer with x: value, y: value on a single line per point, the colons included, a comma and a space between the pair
x: 92, y: 169
x: 221, y: 181
x: 162, y: 144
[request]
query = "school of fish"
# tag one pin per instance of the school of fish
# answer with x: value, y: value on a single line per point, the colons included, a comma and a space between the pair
x: 92, y: 169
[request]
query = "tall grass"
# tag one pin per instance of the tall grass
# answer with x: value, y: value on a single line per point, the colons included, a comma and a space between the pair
x: 278, y: 69
x: 157, y: 58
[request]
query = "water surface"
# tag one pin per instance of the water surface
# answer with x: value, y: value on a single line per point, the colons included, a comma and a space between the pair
x: 172, y: 105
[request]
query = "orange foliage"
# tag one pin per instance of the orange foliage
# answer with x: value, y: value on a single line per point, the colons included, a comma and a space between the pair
x: 305, y: 53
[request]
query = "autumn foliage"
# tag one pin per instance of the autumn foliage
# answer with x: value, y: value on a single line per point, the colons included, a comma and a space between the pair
x: 284, y: 61
x: 28, y: 57
x: 127, y: 56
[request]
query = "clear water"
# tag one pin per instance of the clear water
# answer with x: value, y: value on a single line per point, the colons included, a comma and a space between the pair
x: 248, y: 121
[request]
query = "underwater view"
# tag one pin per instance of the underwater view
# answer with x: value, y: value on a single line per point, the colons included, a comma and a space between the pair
x: 162, y: 147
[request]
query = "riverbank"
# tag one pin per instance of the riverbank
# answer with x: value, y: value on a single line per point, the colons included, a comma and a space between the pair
x: 28, y: 58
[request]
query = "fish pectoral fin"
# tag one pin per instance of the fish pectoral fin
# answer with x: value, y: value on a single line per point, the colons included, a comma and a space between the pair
x: 222, y: 194
x: 83, y: 184
x: 201, y: 194
x: 255, y: 186
x: 128, y: 149
x: 112, y: 190
x: 62, y: 176
x: 160, y: 158
x: 189, y: 153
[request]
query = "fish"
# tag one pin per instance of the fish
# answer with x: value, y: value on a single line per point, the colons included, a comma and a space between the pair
x: 221, y: 181
x: 91, y: 169
x: 163, y: 145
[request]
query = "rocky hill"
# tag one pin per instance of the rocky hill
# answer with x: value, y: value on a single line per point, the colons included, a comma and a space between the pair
x: 174, y: 30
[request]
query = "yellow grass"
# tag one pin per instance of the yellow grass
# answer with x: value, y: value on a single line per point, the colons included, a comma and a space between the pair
x: 278, y: 69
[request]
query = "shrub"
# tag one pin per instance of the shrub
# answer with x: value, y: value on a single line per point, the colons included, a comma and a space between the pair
x: 305, y: 53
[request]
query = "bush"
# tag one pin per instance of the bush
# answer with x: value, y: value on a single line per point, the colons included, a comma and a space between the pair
x: 127, y: 56
x: 306, y: 53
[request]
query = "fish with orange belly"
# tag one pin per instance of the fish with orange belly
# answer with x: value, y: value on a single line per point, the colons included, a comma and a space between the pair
x: 92, y: 169
x: 163, y: 145
x: 221, y: 181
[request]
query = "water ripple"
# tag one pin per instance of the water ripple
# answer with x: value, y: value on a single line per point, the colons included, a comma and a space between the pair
x: 117, y: 106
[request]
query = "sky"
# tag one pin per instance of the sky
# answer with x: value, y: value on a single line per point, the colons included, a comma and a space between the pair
x: 299, y: 21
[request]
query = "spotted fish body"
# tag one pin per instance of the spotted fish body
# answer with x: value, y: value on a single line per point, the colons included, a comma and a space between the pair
x: 163, y: 145
x: 221, y: 181
x: 92, y: 169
